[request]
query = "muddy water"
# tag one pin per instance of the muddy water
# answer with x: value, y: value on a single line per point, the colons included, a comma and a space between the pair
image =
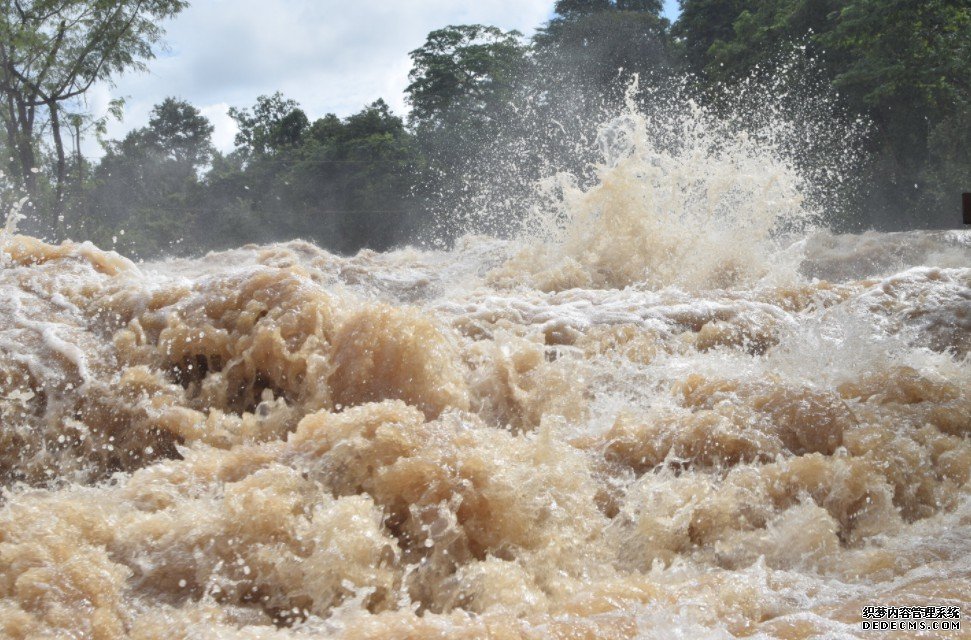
x: 276, y: 442
x: 673, y: 409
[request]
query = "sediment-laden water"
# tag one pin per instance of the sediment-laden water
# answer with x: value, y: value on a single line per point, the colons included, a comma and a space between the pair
x: 653, y: 422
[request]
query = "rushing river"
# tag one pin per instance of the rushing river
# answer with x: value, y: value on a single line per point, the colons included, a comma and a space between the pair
x: 673, y: 413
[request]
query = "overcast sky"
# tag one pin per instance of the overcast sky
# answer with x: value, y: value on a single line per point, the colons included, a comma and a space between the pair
x: 332, y: 56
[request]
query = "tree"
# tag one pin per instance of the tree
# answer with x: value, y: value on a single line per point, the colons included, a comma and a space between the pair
x: 581, y: 7
x: 463, y: 70
x: 585, y: 60
x: 644, y: 6
x: 290, y: 130
x: 148, y: 184
x: 591, y: 44
x: 903, y: 55
x: 52, y: 52
x: 906, y: 64
x: 701, y: 24
x: 181, y: 132
x: 465, y: 82
x: 764, y: 34
x: 344, y: 183
x: 573, y: 8
x: 354, y: 177
x: 273, y: 122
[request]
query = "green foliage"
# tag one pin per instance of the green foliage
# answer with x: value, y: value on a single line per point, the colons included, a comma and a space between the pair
x: 574, y: 8
x: 906, y: 63
x: 581, y: 7
x: 586, y: 59
x: 646, y: 6
x: 595, y: 48
x: 466, y: 70
x: 582, y: 65
x: 177, y: 129
x: 763, y: 34
x: 55, y: 49
x: 147, y: 184
x: 273, y: 123
x: 465, y: 80
x: 702, y: 23
x: 915, y: 50
x: 344, y: 183
x: 51, y: 53
x: 356, y: 176
x: 902, y: 64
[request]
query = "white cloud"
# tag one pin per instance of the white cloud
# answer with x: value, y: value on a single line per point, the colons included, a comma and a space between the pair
x: 329, y: 55
x: 224, y: 127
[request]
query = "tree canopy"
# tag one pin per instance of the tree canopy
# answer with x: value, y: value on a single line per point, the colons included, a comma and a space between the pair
x: 274, y: 122
x: 179, y: 131
x: 52, y: 52
x: 463, y: 68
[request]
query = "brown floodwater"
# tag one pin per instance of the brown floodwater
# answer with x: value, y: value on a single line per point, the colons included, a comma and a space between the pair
x: 638, y: 426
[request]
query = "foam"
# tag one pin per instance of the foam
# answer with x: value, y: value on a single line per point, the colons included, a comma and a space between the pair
x: 646, y: 417
x: 255, y: 448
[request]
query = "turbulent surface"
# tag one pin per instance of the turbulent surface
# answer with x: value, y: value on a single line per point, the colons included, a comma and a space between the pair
x: 276, y: 442
x: 675, y: 411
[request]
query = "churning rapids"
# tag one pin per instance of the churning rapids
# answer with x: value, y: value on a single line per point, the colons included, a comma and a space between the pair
x: 670, y: 415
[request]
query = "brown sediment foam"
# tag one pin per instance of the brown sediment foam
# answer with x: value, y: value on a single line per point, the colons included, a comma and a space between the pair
x: 24, y: 250
x: 129, y: 371
x: 251, y: 449
x: 383, y: 352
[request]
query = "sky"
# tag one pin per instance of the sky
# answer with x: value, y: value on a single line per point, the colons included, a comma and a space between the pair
x: 331, y: 56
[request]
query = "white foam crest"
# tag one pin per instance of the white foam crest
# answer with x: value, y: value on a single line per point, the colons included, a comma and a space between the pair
x: 13, y: 214
x: 848, y: 341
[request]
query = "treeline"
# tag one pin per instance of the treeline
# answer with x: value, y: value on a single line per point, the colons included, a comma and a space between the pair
x: 490, y: 112
x: 344, y: 183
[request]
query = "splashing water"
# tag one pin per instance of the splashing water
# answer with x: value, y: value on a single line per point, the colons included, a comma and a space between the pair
x: 652, y: 423
x: 14, y: 212
x: 681, y: 197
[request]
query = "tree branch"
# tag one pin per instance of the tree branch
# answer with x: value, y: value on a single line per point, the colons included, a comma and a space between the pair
x: 75, y: 70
